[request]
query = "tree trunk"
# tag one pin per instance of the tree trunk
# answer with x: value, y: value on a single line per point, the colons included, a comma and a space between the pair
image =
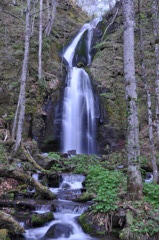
x: 9, y: 223
x: 33, y: 18
x: 40, y: 40
x: 20, y: 176
x: 155, y: 8
x: 50, y: 21
x: 20, y: 111
x: 133, y: 149
x: 48, y: 10
x: 149, y: 104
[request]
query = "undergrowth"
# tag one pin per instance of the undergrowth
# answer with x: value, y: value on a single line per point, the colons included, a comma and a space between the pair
x: 105, y: 184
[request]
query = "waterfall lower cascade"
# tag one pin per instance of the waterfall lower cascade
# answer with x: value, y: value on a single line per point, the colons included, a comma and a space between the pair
x: 78, y: 120
x: 65, y: 225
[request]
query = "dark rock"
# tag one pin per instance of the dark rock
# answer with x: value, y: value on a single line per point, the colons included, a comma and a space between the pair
x: 53, y: 180
x: 58, y: 230
x: 71, y: 152
x: 65, y: 186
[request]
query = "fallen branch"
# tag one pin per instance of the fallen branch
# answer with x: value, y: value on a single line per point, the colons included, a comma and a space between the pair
x: 13, y: 15
x: 9, y: 223
x: 31, y: 159
x: 20, y: 176
x: 19, y: 204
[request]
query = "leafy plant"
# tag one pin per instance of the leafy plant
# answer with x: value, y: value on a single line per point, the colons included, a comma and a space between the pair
x: 54, y: 155
x: 151, y: 194
x: 105, y: 184
x: 2, y: 154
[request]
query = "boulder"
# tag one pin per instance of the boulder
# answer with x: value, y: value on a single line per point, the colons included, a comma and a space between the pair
x: 38, y: 220
x: 58, y: 230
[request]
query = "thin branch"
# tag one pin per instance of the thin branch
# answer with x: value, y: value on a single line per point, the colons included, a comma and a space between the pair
x: 110, y: 24
x: 12, y: 15
x: 40, y: 11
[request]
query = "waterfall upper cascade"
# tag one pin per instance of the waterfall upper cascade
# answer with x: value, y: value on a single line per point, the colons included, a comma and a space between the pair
x: 95, y: 7
x: 78, y: 120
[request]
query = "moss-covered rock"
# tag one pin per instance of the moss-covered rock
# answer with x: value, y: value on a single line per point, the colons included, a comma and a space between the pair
x: 84, y: 197
x: 4, y: 234
x: 38, y: 220
x: 86, y: 225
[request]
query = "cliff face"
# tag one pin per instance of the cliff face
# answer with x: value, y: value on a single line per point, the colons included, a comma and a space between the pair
x: 41, y: 95
x: 106, y: 72
x: 108, y: 77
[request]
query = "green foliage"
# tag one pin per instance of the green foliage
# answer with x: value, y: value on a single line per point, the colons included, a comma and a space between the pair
x: 145, y: 227
x: 2, y: 154
x: 151, y: 194
x: 81, y: 163
x: 42, y: 83
x: 54, y: 155
x: 105, y: 184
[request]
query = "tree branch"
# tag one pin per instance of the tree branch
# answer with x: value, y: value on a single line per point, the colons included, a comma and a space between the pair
x: 110, y: 24
x: 13, y: 15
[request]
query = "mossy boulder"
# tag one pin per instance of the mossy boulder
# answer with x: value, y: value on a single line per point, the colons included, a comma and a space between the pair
x: 38, y: 220
x: 87, y: 227
x: 4, y: 234
x: 101, y: 224
x: 84, y: 197
x: 59, y: 230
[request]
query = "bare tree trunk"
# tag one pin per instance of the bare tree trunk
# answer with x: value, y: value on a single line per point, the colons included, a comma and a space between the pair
x: 48, y: 10
x: 33, y: 18
x: 50, y: 21
x: 40, y: 40
x: 133, y: 148
x: 149, y: 104
x: 20, y: 111
x: 155, y: 8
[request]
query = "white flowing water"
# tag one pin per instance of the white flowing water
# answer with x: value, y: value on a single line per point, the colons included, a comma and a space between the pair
x: 95, y: 7
x: 78, y: 120
x: 65, y: 225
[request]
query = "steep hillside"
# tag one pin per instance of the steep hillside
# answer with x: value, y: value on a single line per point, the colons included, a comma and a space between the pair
x: 108, y: 77
x: 42, y: 93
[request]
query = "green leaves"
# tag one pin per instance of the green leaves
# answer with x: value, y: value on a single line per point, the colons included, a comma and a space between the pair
x: 105, y: 184
x: 151, y: 193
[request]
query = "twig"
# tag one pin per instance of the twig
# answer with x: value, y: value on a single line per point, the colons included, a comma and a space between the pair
x: 110, y: 24
x: 12, y: 15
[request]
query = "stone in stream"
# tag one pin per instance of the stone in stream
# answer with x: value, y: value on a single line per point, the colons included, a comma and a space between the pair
x: 38, y: 220
x: 66, y: 186
x: 58, y: 230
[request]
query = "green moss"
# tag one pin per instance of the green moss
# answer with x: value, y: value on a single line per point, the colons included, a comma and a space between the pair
x: 4, y: 234
x: 85, y: 225
x: 40, y: 219
x: 84, y: 197
x: 2, y: 154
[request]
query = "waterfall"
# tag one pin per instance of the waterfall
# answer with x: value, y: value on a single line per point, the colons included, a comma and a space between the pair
x: 78, y: 118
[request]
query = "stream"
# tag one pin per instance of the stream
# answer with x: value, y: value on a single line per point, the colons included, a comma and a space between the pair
x: 65, y: 225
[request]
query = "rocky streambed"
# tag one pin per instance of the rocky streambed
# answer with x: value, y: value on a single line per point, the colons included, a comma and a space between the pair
x: 53, y: 219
